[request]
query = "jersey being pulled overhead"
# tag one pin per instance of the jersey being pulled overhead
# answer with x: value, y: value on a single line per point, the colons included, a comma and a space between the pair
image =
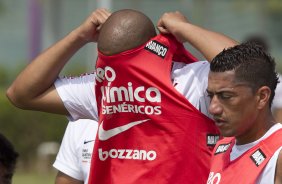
x: 148, y: 132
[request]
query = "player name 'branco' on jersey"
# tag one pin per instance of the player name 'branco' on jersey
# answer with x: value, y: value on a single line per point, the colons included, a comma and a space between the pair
x: 125, y: 95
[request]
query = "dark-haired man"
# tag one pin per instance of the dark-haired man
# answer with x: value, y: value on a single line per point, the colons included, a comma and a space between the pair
x: 242, y: 82
x: 147, y: 147
x: 8, y: 159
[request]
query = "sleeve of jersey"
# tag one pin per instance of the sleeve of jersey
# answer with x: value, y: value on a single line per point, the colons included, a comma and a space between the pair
x: 78, y: 96
x: 67, y: 160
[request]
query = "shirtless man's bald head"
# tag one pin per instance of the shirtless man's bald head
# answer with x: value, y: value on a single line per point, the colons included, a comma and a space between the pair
x: 124, y: 30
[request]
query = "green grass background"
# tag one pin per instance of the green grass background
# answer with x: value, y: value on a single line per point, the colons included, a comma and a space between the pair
x: 34, y: 177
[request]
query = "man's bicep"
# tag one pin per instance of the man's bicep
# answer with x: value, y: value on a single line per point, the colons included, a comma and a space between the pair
x: 49, y: 101
x: 62, y: 178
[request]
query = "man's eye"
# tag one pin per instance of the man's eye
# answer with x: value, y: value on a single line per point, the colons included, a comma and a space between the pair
x: 210, y: 95
x: 225, y: 96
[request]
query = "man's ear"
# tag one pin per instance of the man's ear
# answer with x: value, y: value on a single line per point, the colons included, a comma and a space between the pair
x: 263, y: 96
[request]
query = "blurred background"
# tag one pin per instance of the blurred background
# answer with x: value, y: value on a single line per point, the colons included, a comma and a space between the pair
x: 29, y: 26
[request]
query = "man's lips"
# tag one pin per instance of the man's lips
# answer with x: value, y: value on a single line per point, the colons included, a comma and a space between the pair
x: 219, y: 122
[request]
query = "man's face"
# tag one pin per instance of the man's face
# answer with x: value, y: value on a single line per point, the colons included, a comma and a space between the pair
x: 233, y: 105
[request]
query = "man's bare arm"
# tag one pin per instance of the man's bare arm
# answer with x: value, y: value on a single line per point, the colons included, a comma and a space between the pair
x: 62, y: 178
x: 209, y: 43
x: 278, y: 173
x: 278, y: 114
x: 33, y: 89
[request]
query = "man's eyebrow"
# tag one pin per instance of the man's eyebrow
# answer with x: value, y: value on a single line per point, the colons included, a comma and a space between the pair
x: 220, y: 91
x: 208, y: 91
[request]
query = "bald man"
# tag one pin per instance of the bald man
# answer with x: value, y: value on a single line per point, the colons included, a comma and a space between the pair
x: 120, y: 33
x: 154, y: 145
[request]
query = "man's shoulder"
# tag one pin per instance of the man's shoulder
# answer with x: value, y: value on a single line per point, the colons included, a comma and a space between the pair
x: 83, y: 123
x: 279, y: 160
x: 278, y: 166
x: 80, y: 79
x: 78, y: 133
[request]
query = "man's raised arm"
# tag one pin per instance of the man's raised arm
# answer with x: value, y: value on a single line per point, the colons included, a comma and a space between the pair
x: 34, y: 89
x: 209, y: 43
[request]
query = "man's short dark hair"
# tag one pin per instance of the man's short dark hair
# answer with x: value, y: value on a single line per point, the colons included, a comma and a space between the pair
x: 251, y: 63
x: 8, y: 156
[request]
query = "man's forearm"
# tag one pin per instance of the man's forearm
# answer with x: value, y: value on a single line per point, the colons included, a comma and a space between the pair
x: 33, y: 89
x: 41, y: 73
x: 209, y: 43
x: 62, y: 178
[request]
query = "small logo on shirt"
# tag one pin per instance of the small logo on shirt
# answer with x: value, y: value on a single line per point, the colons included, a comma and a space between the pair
x: 128, y: 154
x: 107, y: 134
x: 86, y: 155
x: 258, y: 157
x: 175, y: 84
x: 88, y: 141
x: 156, y: 48
x: 212, y: 139
x: 222, y: 148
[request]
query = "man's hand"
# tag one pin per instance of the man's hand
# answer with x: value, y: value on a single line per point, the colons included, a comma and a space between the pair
x: 89, y: 29
x: 172, y: 22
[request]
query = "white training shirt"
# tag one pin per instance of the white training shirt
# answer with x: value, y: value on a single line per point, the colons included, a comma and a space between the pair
x: 74, y: 157
x: 78, y: 94
x: 268, y: 173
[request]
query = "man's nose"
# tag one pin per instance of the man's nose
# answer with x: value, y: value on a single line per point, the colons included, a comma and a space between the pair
x: 215, y: 107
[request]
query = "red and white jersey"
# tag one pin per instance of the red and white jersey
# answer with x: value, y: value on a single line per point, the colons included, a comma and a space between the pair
x: 148, y: 132
x: 251, y: 163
